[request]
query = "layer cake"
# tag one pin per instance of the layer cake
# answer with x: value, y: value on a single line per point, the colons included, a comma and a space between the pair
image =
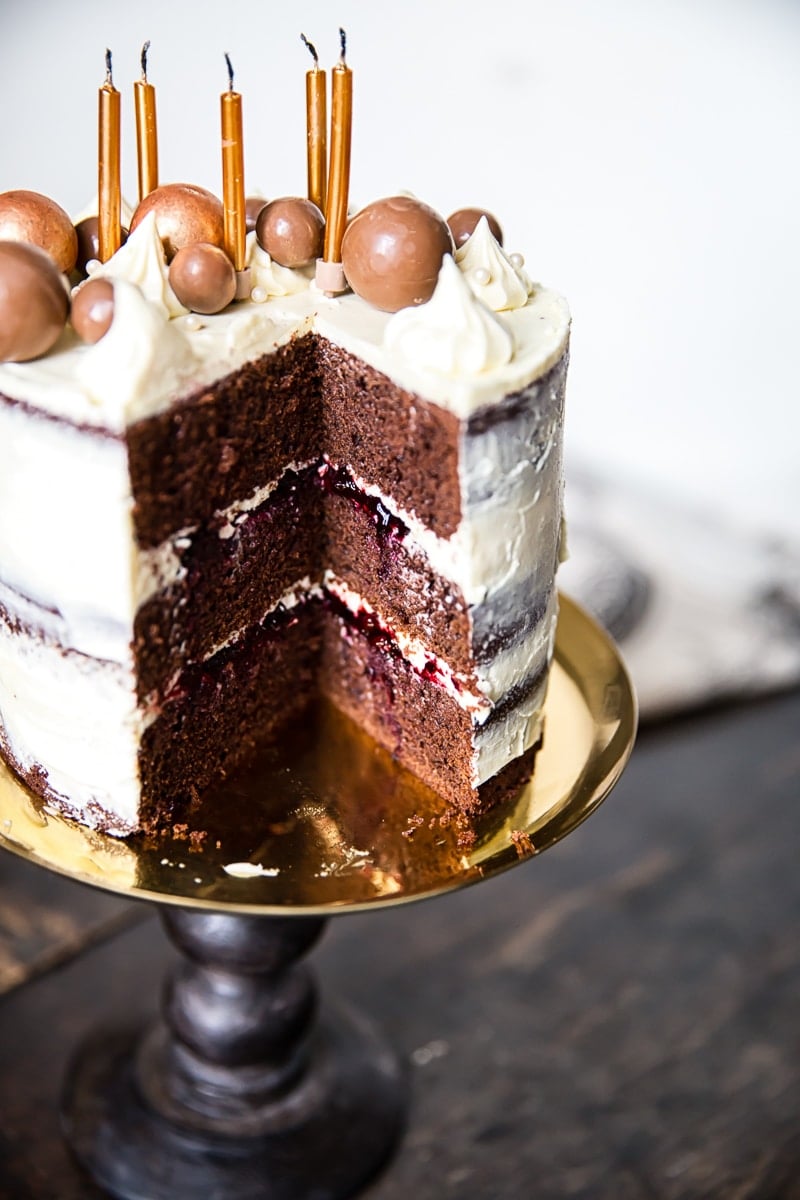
x: 207, y: 520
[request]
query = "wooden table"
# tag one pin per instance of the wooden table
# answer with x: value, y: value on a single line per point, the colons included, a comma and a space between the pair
x: 618, y: 1019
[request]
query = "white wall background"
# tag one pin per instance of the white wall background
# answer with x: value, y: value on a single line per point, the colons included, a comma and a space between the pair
x: 642, y: 155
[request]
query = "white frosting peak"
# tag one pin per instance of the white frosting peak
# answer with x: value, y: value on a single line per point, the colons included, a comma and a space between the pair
x: 454, y: 334
x: 141, y: 261
x: 140, y: 347
x: 489, y: 271
x: 271, y: 277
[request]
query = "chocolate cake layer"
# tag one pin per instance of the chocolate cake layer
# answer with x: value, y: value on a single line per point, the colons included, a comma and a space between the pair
x: 221, y: 713
x: 219, y: 446
x: 225, y: 711
x: 231, y: 581
x: 234, y: 573
x: 305, y: 400
x: 389, y: 436
x: 416, y: 721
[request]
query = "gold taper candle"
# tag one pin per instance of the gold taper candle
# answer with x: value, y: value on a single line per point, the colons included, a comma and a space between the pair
x: 316, y: 129
x: 233, y: 173
x: 339, y: 181
x: 144, y: 97
x: 109, y: 196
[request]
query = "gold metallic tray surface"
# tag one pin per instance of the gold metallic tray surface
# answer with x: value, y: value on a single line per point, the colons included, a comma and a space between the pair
x: 333, y: 824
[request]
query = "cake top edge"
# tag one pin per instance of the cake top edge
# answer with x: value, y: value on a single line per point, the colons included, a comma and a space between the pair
x: 479, y: 330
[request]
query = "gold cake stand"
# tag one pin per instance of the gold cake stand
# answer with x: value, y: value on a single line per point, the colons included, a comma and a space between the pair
x: 241, y: 1089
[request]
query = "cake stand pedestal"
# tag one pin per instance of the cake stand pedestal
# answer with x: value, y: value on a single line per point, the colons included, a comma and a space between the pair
x: 244, y: 1087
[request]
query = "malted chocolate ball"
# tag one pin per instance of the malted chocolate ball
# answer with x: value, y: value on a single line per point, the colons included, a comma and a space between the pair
x: 184, y: 214
x: 203, y: 278
x: 463, y: 222
x: 252, y: 207
x: 33, y: 302
x: 31, y: 217
x: 93, y: 309
x: 291, y: 230
x: 392, y: 252
x: 88, y: 234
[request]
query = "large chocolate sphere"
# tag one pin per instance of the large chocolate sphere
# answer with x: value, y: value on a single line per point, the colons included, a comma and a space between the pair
x: 93, y: 309
x: 392, y: 252
x: 33, y: 302
x: 89, y: 242
x: 184, y: 214
x: 463, y: 223
x: 203, y: 278
x: 291, y: 230
x: 252, y: 207
x: 31, y: 217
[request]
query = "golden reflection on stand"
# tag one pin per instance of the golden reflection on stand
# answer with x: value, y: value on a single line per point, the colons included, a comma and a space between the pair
x: 334, y: 824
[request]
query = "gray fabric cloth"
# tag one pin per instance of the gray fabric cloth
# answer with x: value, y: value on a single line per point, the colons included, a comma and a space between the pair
x: 701, y: 611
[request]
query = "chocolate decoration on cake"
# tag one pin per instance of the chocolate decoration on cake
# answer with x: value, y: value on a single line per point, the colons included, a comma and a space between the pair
x: 203, y: 278
x: 464, y: 221
x: 392, y: 252
x: 252, y: 207
x: 88, y: 235
x: 31, y: 217
x: 184, y: 214
x: 291, y: 230
x: 93, y: 309
x: 33, y: 302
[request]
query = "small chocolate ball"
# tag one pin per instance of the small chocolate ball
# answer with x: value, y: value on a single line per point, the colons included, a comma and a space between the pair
x: 184, y: 214
x: 203, y: 278
x: 392, y: 252
x: 93, y: 309
x: 31, y: 217
x: 291, y: 230
x: 89, y: 242
x: 33, y: 302
x: 252, y: 207
x: 462, y: 224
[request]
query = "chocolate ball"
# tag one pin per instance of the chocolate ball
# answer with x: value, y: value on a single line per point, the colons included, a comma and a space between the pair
x: 291, y: 230
x: 463, y: 222
x: 203, y: 278
x: 184, y: 214
x: 392, y: 252
x: 89, y: 242
x: 252, y: 207
x: 33, y: 302
x: 31, y: 217
x: 93, y: 309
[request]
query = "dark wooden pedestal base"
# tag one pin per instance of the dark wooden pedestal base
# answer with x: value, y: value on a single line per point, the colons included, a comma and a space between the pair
x: 238, y: 1091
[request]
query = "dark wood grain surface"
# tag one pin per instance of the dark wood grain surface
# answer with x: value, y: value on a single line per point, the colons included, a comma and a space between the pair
x: 617, y: 1020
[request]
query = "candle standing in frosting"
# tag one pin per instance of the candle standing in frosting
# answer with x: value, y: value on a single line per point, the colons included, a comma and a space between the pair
x: 316, y: 130
x: 109, y: 192
x: 144, y: 97
x: 330, y: 276
x: 233, y: 182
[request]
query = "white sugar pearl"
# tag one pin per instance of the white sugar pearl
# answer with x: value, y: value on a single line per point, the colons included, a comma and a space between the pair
x: 258, y: 295
x: 481, y: 276
x: 192, y: 322
x: 516, y: 260
x: 92, y: 265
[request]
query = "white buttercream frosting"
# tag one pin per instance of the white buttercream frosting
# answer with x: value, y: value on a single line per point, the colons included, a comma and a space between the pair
x: 142, y: 353
x: 453, y: 334
x: 142, y: 261
x: 490, y: 273
x: 270, y: 277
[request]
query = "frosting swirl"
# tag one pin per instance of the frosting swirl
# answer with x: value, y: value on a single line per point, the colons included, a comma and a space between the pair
x: 271, y: 277
x: 454, y: 334
x: 489, y: 271
x: 140, y: 346
x: 142, y: 261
